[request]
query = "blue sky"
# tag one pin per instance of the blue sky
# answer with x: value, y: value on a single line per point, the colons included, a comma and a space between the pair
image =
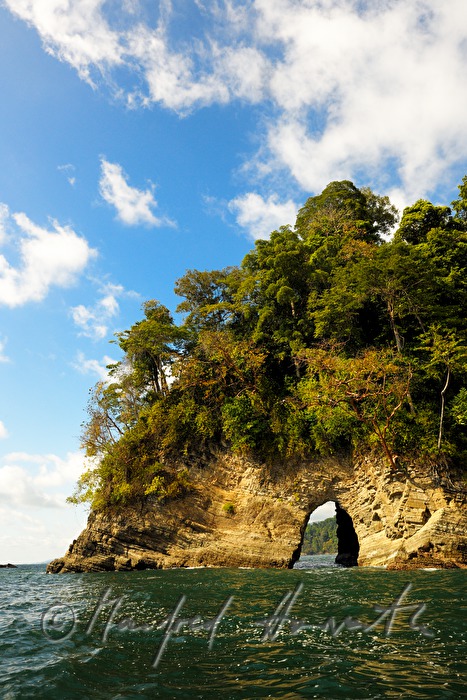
x: 139, y: 139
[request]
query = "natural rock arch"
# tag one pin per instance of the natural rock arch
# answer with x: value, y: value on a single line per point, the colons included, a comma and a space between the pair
x: 398, y: 518
x: 347, y: 539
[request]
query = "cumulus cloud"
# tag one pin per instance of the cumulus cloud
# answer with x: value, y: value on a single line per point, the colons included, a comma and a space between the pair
x: 359, y: 90
x: 47, y: 258
x: 170, y: 75
x: 133, y: 206
x: 260, y: 216
x: 75, y: 32
x: 33, y: 489
x: 3, y: 431
x: 90, y: 366
x: 93, y: 320
x: 33, y: 480
x: 348, y: 89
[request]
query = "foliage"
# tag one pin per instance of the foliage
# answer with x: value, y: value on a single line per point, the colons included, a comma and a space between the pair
x: 417, y: 221
x: 327, y: 337
x: 229, y: 508
x: 321, y: 537
x: 370, y: 388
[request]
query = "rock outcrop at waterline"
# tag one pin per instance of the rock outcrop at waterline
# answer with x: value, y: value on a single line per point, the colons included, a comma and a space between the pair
x: 241, y: 513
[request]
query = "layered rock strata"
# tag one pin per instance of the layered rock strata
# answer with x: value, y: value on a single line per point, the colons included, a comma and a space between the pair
x: 242, y: 513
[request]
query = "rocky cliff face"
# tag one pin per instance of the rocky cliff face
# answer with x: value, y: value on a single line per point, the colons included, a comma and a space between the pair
x: 241, y: 513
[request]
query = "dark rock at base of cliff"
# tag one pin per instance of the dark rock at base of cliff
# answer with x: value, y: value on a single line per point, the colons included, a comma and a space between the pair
x: 422, y: 562
x: 8, y: 566
x: 346, y: 559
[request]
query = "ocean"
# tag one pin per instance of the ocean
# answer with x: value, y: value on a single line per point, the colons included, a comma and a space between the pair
x: 316, y: 631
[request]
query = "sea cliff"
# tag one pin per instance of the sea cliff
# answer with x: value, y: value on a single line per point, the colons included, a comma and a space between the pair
x: 240, y: 512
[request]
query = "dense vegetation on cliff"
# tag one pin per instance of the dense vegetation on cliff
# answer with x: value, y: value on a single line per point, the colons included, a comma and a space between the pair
x: 321, y: 537
x: 327, y: 338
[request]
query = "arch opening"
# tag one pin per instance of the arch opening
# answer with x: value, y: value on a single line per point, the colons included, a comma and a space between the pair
x: 328, y: 529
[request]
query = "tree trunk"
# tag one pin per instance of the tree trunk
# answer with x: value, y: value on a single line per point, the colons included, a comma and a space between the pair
x: 384, y: 444
x: 394, y: 327
x: 441, y: 417
x: 399, y: 346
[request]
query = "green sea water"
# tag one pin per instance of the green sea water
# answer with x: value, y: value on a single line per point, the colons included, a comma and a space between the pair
x: 315, y: 632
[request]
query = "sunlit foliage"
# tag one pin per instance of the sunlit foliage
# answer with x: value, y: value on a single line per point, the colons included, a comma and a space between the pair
x: 329, y: 337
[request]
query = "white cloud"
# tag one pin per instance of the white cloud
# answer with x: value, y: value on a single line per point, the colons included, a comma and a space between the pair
x: 4, y: 216
x: 133, y: 206
x: 26, y: 538
x: 170, y: 75
x: 33, y: 489
x: 47, y: 258
x: 3, y: 357
x: 69, y: 171
x: 244, y: 70
x: 88, y: 320
x: 260, y: 216
x: 3, y: 431
x: 359, y: 91
x: 73, y: 31
x: 349, y: 89
x: 93, y: 321
x: 90, y: 366
x: 32, y: 480
x: 327, y: 510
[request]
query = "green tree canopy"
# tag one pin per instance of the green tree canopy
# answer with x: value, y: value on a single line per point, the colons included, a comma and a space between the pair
x: 327, y: 337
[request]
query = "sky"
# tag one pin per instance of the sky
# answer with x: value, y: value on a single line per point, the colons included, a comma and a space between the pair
x: 143, y: 138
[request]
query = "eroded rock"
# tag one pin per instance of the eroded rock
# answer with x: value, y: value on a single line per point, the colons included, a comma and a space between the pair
x: 242, y: 513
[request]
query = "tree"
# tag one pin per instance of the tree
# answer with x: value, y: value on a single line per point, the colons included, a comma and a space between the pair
x: 444, y: 259
x: 382, y: 216
x: 207, y: 297
x: 448, y: 354
x: 245, y: 369
x: 460, y: 205
x: 370, y: 214
x: 418, y: 220
x: 150, y: 347
x: 273, y: 293
x: 337, y: 310
x: 396, y: 279
x: 371, y: 387
x: 105, y: 423
x: 320, y: 537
